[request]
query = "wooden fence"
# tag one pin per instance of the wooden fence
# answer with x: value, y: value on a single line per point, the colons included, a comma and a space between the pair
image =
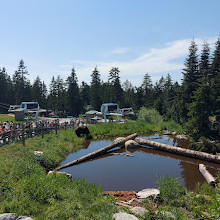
x: 24, y: 131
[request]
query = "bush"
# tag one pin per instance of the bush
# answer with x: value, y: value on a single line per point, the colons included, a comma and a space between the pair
x: 170, y: 190
x: 149, y: 115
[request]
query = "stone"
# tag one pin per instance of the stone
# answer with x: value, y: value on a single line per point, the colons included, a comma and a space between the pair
x: 38, y: 153
x: 124, y: 216
x: 145, y: 193
x: 24, y: 218
x: 60, y: 173
x: 181, y: 137
x: 8, y: 216
x: 131, y: 144
x: 138, y: 210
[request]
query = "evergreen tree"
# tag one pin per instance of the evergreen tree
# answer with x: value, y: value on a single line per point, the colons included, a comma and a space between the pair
x: 190, y: 78
x: 128, y: 97
x: 22, y: 86
x: 215, y: 80
x: 95, y: 91
x: 39, y: 92
x: 200, y: 108
x: 84, y: 93
x: 74, y: 102
x: 116, y: 92
x: 148, y: 90
x: 52, y: 98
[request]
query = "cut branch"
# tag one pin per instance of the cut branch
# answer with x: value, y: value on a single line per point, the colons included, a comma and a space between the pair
x: 99, y: 152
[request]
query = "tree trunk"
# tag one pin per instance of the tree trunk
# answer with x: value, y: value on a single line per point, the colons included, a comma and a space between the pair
x: 180, y: 151
x: 99, y: 152
x: 208, y: 176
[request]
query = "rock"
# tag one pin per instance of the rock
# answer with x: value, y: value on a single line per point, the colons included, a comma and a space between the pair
x: 181, y: 137
x: 38, y: 152
x: 168, y: 214
x: 24, y: 218
x: 8, y: 216
x: 59, y: 173
x: 138, y: 210
x: 166, y: 132
x: 145, y: 193
x: 131, y: 144
x: 124, y: 216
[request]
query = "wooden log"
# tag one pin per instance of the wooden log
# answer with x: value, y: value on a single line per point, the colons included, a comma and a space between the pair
x: 179, y: 150
x: 99, y: 152
x: 208, y: 176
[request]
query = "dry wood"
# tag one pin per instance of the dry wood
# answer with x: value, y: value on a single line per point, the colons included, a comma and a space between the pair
x: 208, y: 176
x: 180, y: 151
x: 99, y: 152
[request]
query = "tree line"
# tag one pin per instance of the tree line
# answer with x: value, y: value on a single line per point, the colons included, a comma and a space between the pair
x: 195, y: 102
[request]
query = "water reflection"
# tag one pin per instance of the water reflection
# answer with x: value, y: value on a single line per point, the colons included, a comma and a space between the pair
x: 116, y: 172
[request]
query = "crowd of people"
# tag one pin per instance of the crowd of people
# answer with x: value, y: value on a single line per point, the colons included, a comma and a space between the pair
x: 11, y: 131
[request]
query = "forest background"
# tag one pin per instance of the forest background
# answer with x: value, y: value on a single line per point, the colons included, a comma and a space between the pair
x: 195, y: 103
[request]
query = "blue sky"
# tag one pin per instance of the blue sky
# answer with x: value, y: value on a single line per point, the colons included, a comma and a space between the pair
x: 137, y: 36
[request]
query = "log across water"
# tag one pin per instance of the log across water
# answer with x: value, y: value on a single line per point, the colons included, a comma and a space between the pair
x: 180, y: 151
x: 99, y: 152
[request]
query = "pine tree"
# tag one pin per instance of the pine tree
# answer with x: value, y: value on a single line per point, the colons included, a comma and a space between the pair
x: 128, y: 97
x: 200, y: 107
x: 39, y: 92
x: 215, y: 80
x: 22, y: 86
x: 95, y: 91
x: 148, y: 91
x: 74, y: 102
x: 84, y: 93
x: 190, y: 78
x: 116, y: 92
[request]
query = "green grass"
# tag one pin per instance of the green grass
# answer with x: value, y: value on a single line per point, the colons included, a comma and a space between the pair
x: 26, y: 189
x: 116, y: 129
x: 6, y: 117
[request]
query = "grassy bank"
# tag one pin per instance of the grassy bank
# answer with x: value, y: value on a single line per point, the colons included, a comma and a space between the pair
x: 116, y: 129
x: 26, y: 189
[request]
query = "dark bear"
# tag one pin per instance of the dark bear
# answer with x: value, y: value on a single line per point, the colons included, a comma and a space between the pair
x: 82, y: 131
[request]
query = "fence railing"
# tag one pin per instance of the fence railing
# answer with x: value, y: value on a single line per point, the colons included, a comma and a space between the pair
x: 21, y: 132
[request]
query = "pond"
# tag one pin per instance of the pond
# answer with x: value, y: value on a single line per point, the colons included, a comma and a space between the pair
x: 142, y: 170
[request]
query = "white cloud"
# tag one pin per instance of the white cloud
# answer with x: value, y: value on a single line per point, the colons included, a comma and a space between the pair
x: 156, y: 61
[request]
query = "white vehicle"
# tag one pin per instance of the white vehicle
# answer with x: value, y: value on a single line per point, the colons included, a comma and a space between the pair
x: 30, y: 106
x: 127, y: 111
x: 110, y: 109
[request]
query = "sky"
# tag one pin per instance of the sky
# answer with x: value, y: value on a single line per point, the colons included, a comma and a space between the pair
x: 137, y: 36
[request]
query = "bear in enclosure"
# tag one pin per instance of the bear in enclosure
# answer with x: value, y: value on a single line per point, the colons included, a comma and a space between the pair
x: 82, y: 131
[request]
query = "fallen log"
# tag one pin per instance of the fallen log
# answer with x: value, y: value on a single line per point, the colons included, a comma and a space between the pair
x: 179, y: 150
x: 208, y: 176
x: 99, y: 152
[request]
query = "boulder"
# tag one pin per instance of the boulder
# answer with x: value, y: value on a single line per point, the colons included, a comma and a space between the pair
x: 8, y: 216
x: 138, y: 210
x: 145, y: 193
x: 131, y: 144
x: 124, y: 216
x: 181, y: 137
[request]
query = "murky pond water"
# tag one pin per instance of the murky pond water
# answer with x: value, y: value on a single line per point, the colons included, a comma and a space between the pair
x: 117, y: 172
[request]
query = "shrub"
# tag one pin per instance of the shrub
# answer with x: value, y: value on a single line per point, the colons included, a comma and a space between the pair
x: 170, y: 190
x: 150, y: 116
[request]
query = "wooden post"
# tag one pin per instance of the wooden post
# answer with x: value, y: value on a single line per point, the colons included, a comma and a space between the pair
x: 99, y: 152
x: 179, y: 150
x: 56, y: 127
x: 208, y: 176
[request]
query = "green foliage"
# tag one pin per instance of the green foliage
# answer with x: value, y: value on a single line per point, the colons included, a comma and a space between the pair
x: 205, y: 145
x: 170, y: 190
x: 150, y: 116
